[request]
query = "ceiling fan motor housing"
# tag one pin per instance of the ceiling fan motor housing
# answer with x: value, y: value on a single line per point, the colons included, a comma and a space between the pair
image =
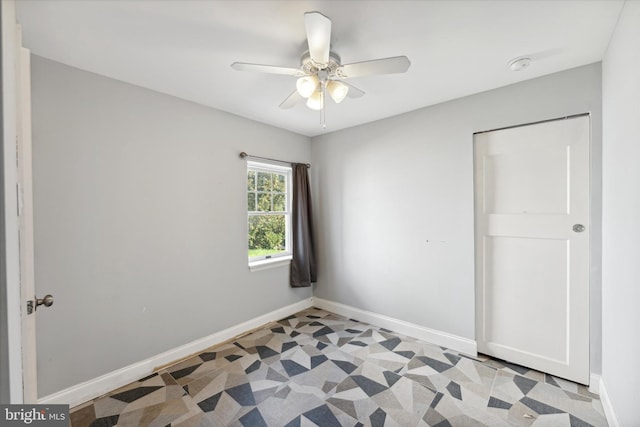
x: 310, y: 67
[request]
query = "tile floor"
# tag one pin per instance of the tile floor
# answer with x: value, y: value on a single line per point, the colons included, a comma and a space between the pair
x: 319, y: 369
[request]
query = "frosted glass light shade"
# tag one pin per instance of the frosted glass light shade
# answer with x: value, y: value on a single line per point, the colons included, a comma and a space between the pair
x: 337, y: 90
x: 307, y: 85
x: 315, y: 101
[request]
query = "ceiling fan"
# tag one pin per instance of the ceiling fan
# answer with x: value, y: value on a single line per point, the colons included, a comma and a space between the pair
x: 321, y: 72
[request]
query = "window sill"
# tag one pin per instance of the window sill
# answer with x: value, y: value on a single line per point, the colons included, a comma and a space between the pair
x: 265, y: 264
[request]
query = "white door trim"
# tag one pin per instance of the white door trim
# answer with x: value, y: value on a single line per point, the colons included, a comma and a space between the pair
x: 25, y: 213
x: 12, y: 247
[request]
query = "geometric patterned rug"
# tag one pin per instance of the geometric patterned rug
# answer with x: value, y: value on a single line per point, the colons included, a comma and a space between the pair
x: 319, y: 369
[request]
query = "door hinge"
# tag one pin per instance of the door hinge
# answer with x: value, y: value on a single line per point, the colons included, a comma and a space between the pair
x: 29, y: 307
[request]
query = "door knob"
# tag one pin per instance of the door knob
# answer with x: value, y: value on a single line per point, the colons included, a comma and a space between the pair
x: 578, y: 228
x: 47, y: 301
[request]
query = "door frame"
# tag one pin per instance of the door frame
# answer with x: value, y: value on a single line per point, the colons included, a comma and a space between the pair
x: 10, y: 180
x: 592, y: 223
x: 18, y: 209
x: 26, y: 227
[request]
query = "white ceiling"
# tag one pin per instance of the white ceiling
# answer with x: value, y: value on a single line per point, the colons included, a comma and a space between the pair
x: 185, y: 48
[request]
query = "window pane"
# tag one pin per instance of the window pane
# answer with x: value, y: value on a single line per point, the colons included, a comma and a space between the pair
x: 264, y: 181
x: 279, y: 183
x: 266, y: 234
x: 251, y: 181
x: 279, y: 202
x: 267, y: 193
x: 264, y: 202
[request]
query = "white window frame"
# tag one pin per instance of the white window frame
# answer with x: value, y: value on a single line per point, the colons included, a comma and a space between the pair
x: 282, y: 258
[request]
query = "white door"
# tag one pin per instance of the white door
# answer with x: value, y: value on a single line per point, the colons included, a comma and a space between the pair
x: 25, y: 213
x: 532, y: 246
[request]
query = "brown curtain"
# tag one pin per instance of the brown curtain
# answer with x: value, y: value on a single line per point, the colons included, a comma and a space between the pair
x: 303, y: 264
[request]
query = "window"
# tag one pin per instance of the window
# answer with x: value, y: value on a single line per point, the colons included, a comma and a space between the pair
x: 268, y: 211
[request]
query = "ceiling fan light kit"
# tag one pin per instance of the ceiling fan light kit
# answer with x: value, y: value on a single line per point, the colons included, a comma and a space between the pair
x: 320, y: 69
x: 338, y: 91
x: 307, y: 85
x: 316, y: 101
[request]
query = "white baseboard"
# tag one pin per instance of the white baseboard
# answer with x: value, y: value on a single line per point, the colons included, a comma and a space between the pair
x: 444, y: 339
x: 96, y: 387
x: 612, y: 420
x: 594, y: 383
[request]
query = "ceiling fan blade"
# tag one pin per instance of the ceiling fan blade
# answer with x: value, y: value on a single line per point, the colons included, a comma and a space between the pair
x: 354, y: 92
x: 396, y: 64
x: 270, y: 69
x: 318, y: 29
x: 291, y: 100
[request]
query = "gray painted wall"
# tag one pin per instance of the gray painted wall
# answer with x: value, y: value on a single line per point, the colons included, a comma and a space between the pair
x: 621, y: 210
x: 394, y: 202
x: 140, y: 222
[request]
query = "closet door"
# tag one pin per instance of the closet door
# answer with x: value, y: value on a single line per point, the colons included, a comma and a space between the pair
x: 532, y: 246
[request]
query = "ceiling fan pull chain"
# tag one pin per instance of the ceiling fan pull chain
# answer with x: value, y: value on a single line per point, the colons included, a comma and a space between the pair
x: 323, y: 121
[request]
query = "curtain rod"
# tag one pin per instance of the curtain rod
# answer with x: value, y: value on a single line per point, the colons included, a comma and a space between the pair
x: 245, y: 155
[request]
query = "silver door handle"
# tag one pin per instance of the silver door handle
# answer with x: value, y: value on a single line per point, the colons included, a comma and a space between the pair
x: 33, y: 304
x: 47, y: 301
x: 578, y: 228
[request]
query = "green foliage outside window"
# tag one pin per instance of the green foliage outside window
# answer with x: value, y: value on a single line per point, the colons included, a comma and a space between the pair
x: 266, y: 201
x: 266, y: 235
